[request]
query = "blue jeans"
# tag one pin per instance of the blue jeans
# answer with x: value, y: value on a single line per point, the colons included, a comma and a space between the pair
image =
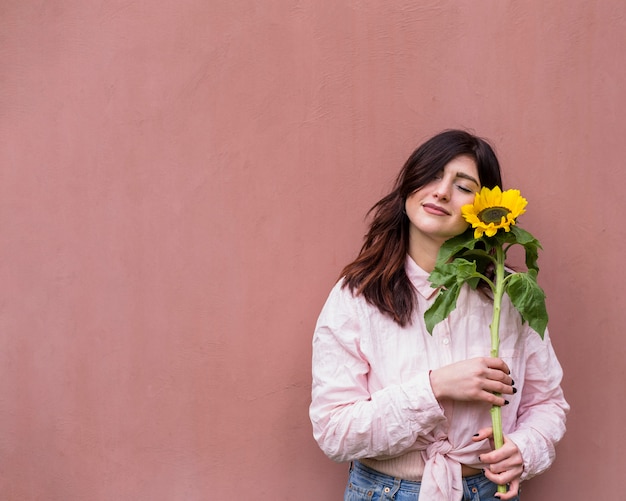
x: 365, y: 484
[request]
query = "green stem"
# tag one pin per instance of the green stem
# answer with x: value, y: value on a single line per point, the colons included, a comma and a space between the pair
x: 496, y: 410
x: 487, y: 281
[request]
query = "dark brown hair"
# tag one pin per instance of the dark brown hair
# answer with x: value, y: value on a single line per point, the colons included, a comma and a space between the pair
x: 378, y: 271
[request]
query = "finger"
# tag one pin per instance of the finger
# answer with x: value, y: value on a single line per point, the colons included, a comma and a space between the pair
x: 497, y: 363
x: 483, y: 434
x: 491, y: 398
x: 503, y: 478
x: 500, y: 459
x: 501, y: 378
x: 504, y: 475
x: 502, y: 467
x: 509, y: 453
x: 497, y: 459
x: 512, y: 492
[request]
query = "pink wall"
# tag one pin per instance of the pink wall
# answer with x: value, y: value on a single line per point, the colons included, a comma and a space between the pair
x: 182, y: 180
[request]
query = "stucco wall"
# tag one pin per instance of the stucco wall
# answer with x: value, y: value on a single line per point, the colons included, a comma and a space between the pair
x: 182, y: 181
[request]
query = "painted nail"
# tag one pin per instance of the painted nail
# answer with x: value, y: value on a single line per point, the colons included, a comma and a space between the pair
x: 514, y: 391
x: 506, y: 402
x: 476, y: 435
x: 512, y: 383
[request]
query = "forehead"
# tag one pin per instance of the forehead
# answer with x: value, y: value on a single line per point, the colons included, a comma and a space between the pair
x: 463, y: 165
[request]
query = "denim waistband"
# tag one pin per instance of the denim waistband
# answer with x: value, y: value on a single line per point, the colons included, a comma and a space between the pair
x: 389, y: 481
x: 385, y: 480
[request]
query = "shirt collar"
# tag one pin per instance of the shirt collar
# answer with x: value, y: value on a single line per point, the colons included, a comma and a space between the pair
x: 419, y: 278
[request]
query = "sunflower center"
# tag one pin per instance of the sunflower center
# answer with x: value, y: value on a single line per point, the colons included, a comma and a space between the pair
x: 493, y: 214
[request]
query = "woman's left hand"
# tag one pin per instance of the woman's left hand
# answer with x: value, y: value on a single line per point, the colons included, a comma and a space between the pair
x: 504, y: 465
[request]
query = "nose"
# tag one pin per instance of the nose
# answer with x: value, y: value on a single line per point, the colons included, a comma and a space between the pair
x: 442, y: 191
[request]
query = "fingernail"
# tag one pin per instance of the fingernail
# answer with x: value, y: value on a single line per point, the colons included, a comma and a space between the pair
x: 512, y: 383
x: 514, y: 391
x: 476, y: 435
x: 506, y: 402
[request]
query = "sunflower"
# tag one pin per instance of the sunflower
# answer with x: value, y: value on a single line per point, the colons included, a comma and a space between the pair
x: 493, y: 210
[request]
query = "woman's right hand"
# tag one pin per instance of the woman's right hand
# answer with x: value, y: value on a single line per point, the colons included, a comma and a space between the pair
x: 476, y: 379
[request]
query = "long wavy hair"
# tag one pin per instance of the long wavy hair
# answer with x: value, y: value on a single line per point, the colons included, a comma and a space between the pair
x: 378, y: 271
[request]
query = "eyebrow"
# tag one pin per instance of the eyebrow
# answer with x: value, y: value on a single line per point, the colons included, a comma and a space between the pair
x: 468, y: 177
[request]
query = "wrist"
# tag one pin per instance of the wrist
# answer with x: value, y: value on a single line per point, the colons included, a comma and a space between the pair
x: 434, y: 384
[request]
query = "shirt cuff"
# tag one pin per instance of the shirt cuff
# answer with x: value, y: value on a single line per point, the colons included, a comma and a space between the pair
x: 421, y: 400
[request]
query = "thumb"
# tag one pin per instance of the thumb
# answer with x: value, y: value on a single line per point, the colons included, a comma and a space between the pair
x: 482, y: 434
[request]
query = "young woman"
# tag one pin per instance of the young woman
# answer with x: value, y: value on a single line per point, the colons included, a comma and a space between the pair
x: 408, y: 410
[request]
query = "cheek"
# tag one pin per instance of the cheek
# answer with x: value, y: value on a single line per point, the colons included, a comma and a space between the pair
x: 461, y: 222
x: 410, y: 204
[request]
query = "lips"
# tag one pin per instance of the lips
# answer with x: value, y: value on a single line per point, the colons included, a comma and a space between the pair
x: 435, y: 209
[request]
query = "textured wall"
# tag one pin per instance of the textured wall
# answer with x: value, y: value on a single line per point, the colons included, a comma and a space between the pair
x: 181, y: 182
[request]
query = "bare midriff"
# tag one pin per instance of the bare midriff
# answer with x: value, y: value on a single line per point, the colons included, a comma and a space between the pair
x: 409, y: 467
x: 468, y: 471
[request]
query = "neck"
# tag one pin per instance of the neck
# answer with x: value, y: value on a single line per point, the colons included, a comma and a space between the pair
x: 424, y: 252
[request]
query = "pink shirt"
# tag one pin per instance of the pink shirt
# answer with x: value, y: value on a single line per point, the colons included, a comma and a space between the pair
x: 372, y: 400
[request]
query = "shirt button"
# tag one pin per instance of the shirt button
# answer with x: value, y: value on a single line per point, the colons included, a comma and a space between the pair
x: 387, y: 489
x: 446, y: 340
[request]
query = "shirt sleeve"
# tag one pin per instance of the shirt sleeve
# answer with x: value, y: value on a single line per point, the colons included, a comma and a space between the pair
x: 348, y: 421
x: 543, y: 409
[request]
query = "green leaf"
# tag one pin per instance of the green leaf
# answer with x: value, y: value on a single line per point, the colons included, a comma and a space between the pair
x: 499, y: 239
x: 443, y: 275
x: 448, y: 274
x: 477, y: 254
x: 529, y: 299
x: 482, y: 259
x: 450, y: 277
x: 463, y: 259
x: 455, y: 245
x: 530, y: 244
x: 444, y: 304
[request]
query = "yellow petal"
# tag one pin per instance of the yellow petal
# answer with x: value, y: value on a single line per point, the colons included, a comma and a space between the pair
x: 509, y: 201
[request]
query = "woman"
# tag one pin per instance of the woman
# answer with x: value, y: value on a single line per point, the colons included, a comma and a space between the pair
x: 410, y: 411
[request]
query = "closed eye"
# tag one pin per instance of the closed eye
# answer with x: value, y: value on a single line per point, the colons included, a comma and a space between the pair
x: 469, y: 179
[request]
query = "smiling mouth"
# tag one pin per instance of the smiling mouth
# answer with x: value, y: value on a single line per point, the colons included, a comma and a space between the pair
x: 435, y: 209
